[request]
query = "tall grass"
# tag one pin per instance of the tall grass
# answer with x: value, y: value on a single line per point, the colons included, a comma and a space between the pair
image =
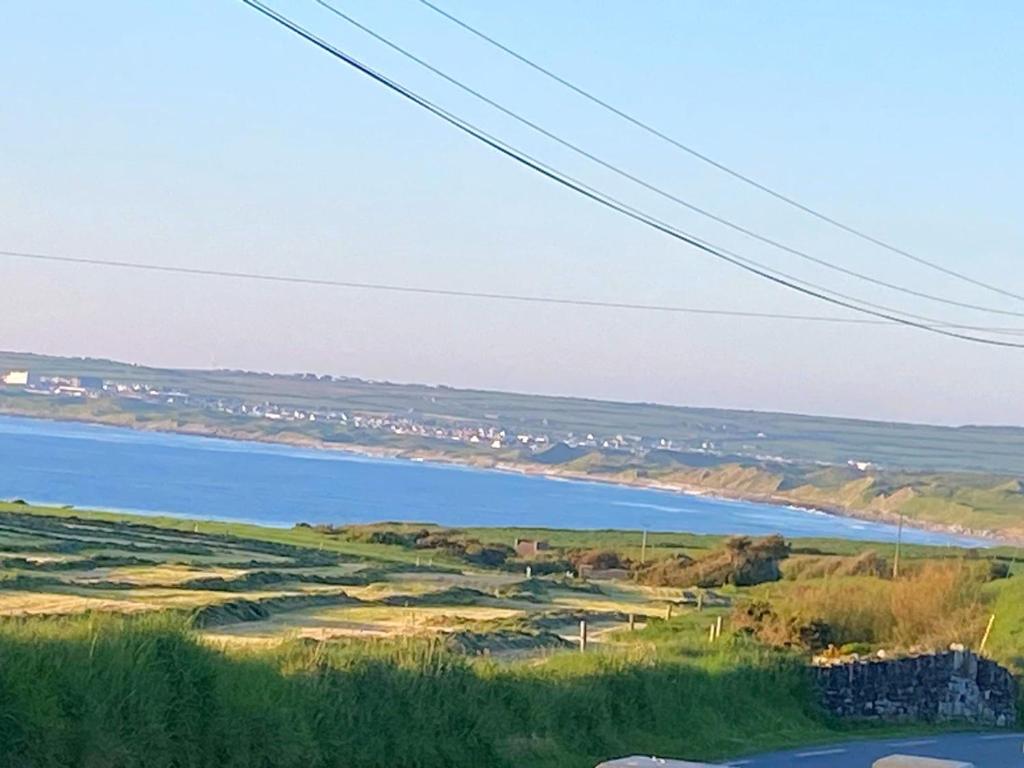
x: 106, y: 691
x: 937, y: 603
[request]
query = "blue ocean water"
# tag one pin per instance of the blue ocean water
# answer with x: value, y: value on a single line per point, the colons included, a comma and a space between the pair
x: 113, y: 468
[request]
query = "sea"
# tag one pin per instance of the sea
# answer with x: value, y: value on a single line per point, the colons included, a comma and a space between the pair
x: 103, y: 467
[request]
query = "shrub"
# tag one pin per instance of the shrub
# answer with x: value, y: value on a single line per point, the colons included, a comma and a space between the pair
x: 491, y: 555
x: 758, y: 618
x: 742, y: 561
x: 598, y: 559
x: 938, y: 603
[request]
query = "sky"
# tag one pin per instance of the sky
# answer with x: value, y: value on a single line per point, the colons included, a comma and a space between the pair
x: 200, y: 134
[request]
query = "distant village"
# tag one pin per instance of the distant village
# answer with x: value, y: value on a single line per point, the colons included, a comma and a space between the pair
x: 480, y: 435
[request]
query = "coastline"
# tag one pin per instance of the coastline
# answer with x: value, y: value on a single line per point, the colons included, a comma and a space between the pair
x: 298, y: 440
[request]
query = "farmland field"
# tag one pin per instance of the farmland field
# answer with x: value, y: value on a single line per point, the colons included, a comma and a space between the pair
x: 134, y: 641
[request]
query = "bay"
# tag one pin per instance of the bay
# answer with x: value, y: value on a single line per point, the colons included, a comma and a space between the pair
x: 105, y: 467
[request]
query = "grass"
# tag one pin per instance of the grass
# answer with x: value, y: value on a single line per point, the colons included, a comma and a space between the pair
x: 290, y: 667
x: 297, y: 536
x: 1006, y: 642
x: 120, y: 692
x: 939, y: 603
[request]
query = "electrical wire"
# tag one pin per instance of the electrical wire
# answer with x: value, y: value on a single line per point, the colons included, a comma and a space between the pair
x: 458, y: 293
x: 445, y: 292
x: 652, y: 187
x: 648, y: 128
x: 930, y: 320
x: 598, y: 197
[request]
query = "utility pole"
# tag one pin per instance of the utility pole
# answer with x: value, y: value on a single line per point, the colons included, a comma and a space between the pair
x: 899, y: 544
x: 643, y: 548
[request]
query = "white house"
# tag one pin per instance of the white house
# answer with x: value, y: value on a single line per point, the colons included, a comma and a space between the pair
x: 16, y: 378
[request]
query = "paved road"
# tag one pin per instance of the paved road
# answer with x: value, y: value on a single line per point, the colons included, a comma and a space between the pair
x: 985, y: 750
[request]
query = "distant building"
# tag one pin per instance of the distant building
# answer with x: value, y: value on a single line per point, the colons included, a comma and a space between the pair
x: 530, y: 547
x: 90, y: 382
x: 16, y: 378
x: 69, y: 391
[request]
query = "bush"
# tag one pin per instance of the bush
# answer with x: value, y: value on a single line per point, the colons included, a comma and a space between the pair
x: 394, y: 538
x: 758, y: 618
x: 598, y: 559
x: 998, y: 569
x: 936, y: 604
x: 742, y: 561
x: 491, y: 555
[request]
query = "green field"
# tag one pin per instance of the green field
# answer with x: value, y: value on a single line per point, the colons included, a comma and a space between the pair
x: 131, y: 641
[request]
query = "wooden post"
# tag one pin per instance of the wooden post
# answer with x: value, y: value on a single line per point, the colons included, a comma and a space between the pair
x: 632, y: 622
x: 711, y: 633
x: 643, y: 548
x: 988, y: 631
x: 668, y: 612
x: 899, y: 544
x: 718, y: 627
x: 700, y: 601
x: 583, y: 635
x: 529, y: 571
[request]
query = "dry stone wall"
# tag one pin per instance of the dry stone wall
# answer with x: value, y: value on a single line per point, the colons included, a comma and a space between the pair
x: 957, y: 685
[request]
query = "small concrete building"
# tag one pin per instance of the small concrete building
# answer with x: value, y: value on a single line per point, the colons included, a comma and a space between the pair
x: 530, y: 547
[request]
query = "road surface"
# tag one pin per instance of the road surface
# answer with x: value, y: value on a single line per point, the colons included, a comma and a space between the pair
x: 985, y: 750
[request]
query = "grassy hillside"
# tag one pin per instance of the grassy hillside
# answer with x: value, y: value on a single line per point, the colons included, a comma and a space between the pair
x: 793, y: 437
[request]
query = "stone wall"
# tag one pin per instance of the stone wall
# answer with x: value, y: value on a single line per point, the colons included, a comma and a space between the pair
x: 957, y: 685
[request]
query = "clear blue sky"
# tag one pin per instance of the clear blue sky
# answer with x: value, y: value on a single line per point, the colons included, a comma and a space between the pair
x: 197, y: 133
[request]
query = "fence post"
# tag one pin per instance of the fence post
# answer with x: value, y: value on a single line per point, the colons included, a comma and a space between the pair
x: 988, y: 631
x: 583, y: 635
x: 632, y: 622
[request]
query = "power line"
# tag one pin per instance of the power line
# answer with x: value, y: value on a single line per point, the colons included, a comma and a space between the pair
x: 928, y: 319
x: 445, y: 292
x: 452, y: 292
x: 661, y: 191
x: 647, y: 127
x: 589, y: 193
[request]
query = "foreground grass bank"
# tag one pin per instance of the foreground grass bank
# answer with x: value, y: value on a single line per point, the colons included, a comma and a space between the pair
x: 137, y: 641
x: 117, y: 691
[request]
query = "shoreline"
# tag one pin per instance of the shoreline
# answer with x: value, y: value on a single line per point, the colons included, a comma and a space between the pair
x: 438, y: 457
